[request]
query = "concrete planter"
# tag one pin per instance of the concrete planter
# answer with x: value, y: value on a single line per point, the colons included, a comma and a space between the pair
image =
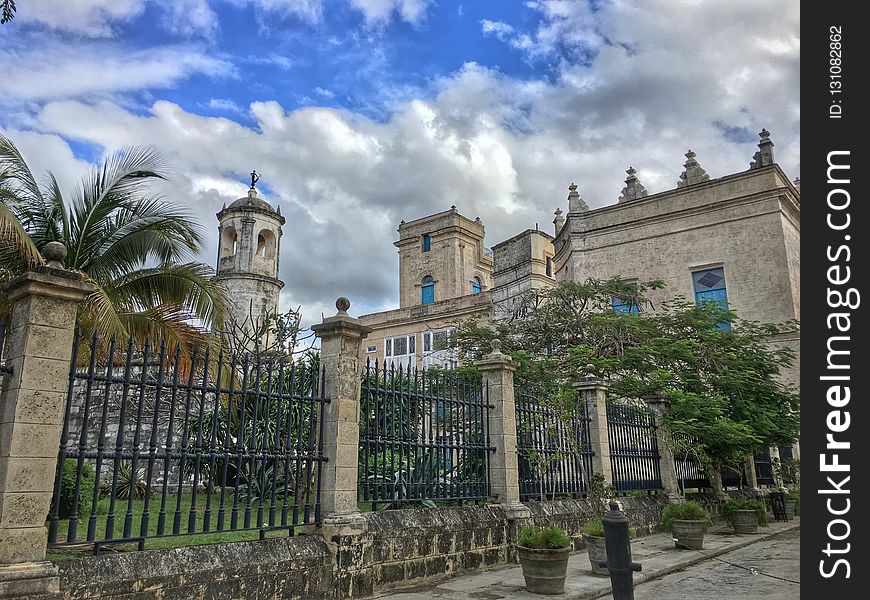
x: 544, y: 569
x: 688, y: 535
x: 745, y: 521
x: 597, y: 551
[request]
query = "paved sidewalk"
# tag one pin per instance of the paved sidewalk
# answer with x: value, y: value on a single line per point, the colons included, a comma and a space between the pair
x: 656, y: 553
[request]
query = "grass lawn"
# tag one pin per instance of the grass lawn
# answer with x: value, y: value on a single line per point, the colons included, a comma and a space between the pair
x: 166, y: 539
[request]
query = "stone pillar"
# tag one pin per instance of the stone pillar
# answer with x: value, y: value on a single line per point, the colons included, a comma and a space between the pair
x: 667, y: 468
x: 775, y: 466
x: 341, y: 339
x: 44, y: 305
x: 498, y: 379
x: 716, y: 484
x: 594, y: 391
x: 749, y: 468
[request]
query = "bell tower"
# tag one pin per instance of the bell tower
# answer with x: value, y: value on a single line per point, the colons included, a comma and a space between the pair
x: 248, y: 253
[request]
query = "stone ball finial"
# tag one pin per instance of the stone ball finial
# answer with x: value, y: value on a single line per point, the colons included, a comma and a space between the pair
x: 495, y: 344
x: 342, y: 304
x: 54, y: 254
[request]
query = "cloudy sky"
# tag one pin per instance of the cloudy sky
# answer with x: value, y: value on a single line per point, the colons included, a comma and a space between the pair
x: 361, y: 113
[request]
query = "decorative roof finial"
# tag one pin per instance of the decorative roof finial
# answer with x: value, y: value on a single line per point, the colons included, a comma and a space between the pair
x: 254, y: 179
x: 558, y: 221
x: 575, y: 202
x: 694, y: 172
x: 764, y: 156
x: 633, y: 187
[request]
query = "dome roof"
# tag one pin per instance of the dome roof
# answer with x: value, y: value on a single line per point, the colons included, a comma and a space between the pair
x: 252, y: 201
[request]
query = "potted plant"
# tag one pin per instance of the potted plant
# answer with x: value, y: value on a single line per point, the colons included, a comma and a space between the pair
x: 745, y: 515
x: 688, y: 522
x: 543, y: 553
x: 593, y: 536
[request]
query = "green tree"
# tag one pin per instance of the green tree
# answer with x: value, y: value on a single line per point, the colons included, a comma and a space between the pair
x: 136, y: 248
x: 721, y: 385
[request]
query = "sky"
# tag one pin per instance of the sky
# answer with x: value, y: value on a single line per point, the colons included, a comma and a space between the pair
x: 361, y: 113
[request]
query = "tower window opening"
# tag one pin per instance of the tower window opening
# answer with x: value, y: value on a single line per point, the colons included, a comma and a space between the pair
x: 229, y: 242
x: 426, y: 243
x: 475, y: 286
x: 428, y: 291
x: 266, y: 244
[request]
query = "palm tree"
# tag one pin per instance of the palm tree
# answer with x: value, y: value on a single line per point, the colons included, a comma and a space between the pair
x: 136, y: 248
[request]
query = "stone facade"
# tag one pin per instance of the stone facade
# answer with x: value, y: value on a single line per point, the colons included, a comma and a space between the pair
x: 248, y: 258
x: 453, y: 255
x: 747, y: 224
x: 522, y: 263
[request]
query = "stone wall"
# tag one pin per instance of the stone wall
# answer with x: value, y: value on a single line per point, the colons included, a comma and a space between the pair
x: 399, y: 549
x: 297, y: 567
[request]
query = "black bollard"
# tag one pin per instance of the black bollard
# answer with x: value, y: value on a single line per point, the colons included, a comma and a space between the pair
x: 618, y: 553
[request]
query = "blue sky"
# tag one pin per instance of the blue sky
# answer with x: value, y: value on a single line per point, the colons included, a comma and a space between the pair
x: 360, y: 113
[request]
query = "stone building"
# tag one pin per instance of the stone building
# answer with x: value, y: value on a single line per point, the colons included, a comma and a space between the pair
x: 522, y: 263
x: 734, y: 239
x: 249, y: 235
x: 445, y: 275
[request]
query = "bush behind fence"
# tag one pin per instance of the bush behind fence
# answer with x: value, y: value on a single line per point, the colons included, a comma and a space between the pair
x: 424, y: 436
x: 159, y: 442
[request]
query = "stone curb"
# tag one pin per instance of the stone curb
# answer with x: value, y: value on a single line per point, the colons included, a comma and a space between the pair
x: 690, y: 561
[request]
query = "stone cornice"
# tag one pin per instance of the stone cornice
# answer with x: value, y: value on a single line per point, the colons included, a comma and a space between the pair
x: 49, y: 282
x: 253, y: 276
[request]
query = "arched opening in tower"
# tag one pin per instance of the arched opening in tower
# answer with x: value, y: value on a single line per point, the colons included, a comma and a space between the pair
x: 266, y: 244
x: 229, y: 241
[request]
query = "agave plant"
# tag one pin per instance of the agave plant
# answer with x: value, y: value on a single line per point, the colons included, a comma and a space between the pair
x: 136, y: 248
x: 129, y: 482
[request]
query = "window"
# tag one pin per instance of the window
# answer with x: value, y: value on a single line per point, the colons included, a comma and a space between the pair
x: 549, y: 267
x: 709, y: 286
x: 401, y: 352
x: 427, y: 242
x: 475, y: 286
x: 621, y: 305
x: 428, y: 291
x: 370, y: 349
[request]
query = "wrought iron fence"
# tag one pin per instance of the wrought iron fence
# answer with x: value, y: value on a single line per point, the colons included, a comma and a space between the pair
x: 555, y: 457
x: 160, y: 442
x: 689, y: 471
x: 5, y: 369
x: 424, y: 436
x: 763, y: 467
x: 634, y: 452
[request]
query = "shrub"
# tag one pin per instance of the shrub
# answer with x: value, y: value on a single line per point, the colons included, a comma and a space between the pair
x: 732, y: 506
x: 128, y: 483
x: 540, y: 538
x: 68, y: 500
x: 594, y: 527
x: 684, y: 511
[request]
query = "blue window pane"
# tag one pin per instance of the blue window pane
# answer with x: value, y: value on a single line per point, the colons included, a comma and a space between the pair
x: 427, y: 242
x: 428, y: 293
x: 475, y: 287
x: 622, y: 306
x: 710, y: 286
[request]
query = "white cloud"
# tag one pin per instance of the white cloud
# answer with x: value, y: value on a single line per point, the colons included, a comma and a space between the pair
x: 226, y: 105
x: 72, y: 70
x: 381, y: 11
x: 92, y: 18
x: 189, y: 17
x: 666, y: 77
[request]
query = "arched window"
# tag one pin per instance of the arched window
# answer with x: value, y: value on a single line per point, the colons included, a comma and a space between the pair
x: 228, y: 241
x: 549, y: 267
x: 266, y: 244
x: 426, y: 243
x: 475, y: 286
x: 428, y: 290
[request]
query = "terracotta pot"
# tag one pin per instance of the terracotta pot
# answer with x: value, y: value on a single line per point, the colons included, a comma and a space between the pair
x: 544, y: 569
x: 745, y: 521
x: 688, y: 534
